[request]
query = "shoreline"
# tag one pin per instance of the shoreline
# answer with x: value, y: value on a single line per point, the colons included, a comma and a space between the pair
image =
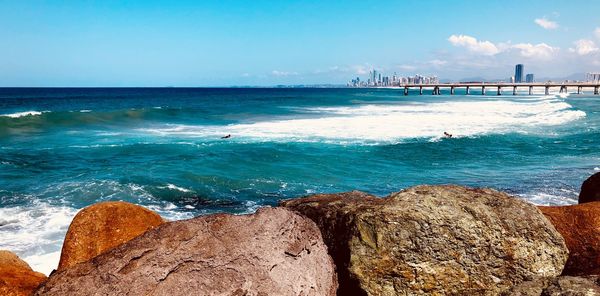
x: 46, y: 262
x: 115, y: 235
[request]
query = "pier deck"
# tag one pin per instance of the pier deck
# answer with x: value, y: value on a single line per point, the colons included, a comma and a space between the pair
x: 468, y: 86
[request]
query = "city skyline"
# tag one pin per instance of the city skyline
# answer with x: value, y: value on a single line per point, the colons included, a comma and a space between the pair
x: 155, y: 43
x: 375, y: 79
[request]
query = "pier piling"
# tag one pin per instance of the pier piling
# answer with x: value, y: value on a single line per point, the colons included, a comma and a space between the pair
x: 499, y: 91
x: 563, y: 89
x: 514, y: 90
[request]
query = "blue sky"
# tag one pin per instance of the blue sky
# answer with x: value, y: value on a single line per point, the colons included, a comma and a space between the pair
x: 222, y: 43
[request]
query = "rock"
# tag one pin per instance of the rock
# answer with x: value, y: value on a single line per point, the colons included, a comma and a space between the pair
x: 271, y: 252
x: 580, y: 227
x: 16, y: 277
x: 103, y: 226
x: 590, y: 189
x: 563, y: 285
x: 434, y: 240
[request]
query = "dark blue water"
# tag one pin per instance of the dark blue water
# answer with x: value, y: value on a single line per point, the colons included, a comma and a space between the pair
x: 63, y: 149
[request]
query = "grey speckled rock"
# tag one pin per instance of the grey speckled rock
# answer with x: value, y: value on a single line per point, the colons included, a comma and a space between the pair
x: 434, y: 240
x: 559, y: 286
x: 272, y: 252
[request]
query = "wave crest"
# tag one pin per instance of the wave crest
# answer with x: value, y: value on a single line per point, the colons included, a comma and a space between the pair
x: 22, y: 114
x: 393, y: 123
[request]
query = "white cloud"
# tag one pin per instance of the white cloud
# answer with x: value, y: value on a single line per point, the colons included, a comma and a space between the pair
x: 283, y: 73
x: 540, y: 51
x: 474, y: 45
x: 584, y: 47
x: 437, y: 62
x: 360, y: 69
x: 407, y: 67
x: 487, y: 48
x: 546, y: 23
x: 597, y: 32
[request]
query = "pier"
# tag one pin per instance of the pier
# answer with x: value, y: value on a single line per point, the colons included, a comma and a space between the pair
x: 593, y: 87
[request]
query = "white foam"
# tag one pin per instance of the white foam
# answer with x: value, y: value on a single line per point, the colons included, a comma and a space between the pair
x: 395, y: 122
x: 175, y: 187
x: 35, y: 233
x: 22, y: 114
x: 548, y: 199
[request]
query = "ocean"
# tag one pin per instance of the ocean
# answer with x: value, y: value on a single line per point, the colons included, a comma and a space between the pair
x: 62, y: 149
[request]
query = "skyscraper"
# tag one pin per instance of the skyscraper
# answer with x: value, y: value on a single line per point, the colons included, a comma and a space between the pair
x: 519, y: 73
x: 374, y: 77
x: 529, y: 78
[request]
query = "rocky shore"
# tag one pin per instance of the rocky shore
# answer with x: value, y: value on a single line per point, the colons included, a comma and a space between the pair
x: 425, y: 240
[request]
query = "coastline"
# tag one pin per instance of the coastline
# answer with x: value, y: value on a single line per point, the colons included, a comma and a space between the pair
x: 285, y: 143
x: 460, y: 213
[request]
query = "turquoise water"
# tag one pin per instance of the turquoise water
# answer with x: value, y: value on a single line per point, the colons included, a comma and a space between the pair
x: 63, y: 149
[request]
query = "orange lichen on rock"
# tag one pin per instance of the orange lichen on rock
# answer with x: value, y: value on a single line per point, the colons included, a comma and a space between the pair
x: 103, y: 226
x: 580, y: 227
x: 16, y: 277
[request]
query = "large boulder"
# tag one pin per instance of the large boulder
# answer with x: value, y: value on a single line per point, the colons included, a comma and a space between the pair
x: 434, y: 240
x: 562, y: 285
x: 103, y: 226
x: 16, y: 277
x: 590, y: 189
x: 580, y: 227
x: 271, y: 252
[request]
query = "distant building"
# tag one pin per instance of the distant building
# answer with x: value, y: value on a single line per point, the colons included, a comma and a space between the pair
x: 511, y: 79
x: 376, y: 79
x: 529, y: 78
x: 519, y: 73
x: 592, y: 77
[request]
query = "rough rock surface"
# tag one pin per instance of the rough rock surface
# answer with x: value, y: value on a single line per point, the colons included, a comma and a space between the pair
x: 563, y: 285
x: 272, y: 252
x: 580, y: 227
x: 16, y: 277
x: 103, y: 226
x: 434, y: 240
x: 590, y: 189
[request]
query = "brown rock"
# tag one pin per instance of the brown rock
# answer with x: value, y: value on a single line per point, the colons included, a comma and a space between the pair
x: 103, y: 226
x: 590, y: 189
x: 272, y: 252
x: 434, y: 240
x: 16, y: 277
x: 563, y: 285
x: 580, y: 227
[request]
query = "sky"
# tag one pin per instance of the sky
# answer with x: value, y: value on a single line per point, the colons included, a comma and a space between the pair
x: 263, y: 43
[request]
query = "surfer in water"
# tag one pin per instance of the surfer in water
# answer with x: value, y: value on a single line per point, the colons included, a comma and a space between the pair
x: 226, y: 137
x: 447, y: 135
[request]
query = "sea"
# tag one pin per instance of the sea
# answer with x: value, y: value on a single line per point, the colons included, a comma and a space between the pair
x: 62, y: 149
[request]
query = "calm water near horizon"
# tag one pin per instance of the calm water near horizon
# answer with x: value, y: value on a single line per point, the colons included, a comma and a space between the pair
x: 62, y: 149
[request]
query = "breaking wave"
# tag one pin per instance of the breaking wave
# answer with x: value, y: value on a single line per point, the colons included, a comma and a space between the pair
x: 21, y: 114
x: 395, y: 122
